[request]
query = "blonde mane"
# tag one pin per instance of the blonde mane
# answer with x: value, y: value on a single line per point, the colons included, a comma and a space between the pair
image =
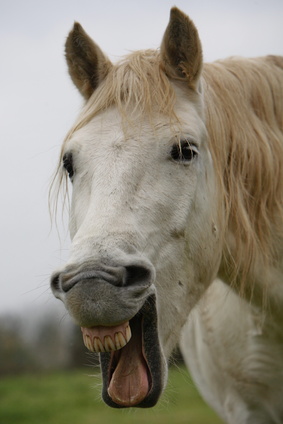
x: 244, y: 116
x: 244, y: 119
x: 135, y: 84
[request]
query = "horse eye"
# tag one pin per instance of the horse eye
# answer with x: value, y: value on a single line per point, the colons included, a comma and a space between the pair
x: 68, y: 164
x: 185, y: 151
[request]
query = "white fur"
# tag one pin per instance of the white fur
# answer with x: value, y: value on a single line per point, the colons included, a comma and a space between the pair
x: 118, y: 182
x: 233, y: 349
x: 234, y: 353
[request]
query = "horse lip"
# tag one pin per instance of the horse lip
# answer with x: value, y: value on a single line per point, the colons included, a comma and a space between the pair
x: 68, y: 283
x: 153, y: 356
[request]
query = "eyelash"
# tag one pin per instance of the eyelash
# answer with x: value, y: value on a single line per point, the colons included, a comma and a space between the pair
x: 184, y: 151
x: 68, y: 164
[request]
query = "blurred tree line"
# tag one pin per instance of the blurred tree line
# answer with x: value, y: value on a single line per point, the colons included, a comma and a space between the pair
x: 33, y: 343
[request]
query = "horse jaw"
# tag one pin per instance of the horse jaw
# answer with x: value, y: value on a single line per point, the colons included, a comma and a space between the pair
x: 133, y: 366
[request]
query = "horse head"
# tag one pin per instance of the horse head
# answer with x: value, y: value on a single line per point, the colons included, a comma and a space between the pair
x: 144, y: 218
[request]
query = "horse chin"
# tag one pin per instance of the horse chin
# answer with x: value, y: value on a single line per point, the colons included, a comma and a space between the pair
x: 133, y: 376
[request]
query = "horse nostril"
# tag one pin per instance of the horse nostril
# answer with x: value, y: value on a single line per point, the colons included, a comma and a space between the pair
x: 137, y: 275
x: 55, y: 282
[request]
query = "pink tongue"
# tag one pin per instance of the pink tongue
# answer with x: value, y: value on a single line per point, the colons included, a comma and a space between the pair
x: 129, y: 383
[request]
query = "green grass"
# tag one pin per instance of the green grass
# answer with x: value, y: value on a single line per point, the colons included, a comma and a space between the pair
x: 74, y: 398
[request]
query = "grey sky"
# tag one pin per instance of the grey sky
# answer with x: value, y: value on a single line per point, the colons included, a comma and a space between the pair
x: 38, y: 104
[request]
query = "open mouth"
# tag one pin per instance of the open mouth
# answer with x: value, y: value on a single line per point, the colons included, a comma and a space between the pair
x: 131, y: 359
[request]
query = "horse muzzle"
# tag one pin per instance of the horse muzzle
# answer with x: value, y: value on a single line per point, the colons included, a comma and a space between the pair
x: 99, y: 294
x: 116, y: 307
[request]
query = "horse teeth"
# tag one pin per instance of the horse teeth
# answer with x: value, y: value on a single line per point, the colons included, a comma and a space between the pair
x: 89, y: 345
x: 120, y: 340
x: 101, y: 347
x: 87, y: 342
x: 108, y: 344
x: 128, y: 333
x: 97, y: 345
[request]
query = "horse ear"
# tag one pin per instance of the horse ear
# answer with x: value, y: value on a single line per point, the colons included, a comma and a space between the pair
x: 181, y: 51
x: 87, y: 64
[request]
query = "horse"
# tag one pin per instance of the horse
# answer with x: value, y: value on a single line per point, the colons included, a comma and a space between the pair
x: 176, y: 169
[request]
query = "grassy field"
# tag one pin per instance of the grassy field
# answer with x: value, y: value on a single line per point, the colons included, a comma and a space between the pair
x: 74, y: 398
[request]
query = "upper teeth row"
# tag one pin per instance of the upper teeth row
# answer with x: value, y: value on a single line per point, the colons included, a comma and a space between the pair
x: 108, y: 344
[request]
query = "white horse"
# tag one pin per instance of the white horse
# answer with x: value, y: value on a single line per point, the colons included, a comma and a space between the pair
x: 176, y: 222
